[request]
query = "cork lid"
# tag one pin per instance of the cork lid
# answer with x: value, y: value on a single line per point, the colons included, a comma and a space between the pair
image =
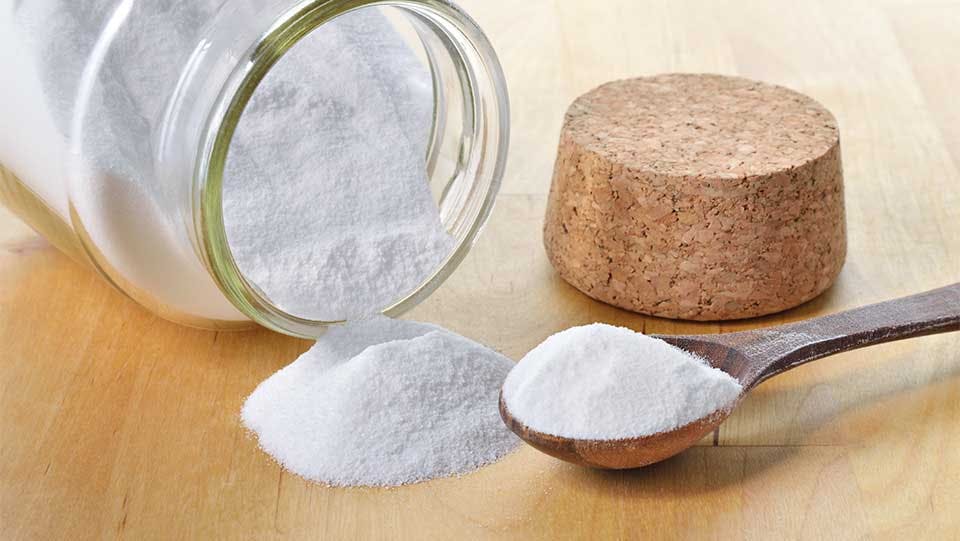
x: 697, y: 196
x: 699, y: 125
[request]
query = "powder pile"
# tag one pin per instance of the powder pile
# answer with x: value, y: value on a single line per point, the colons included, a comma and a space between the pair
x: 326, y: 201
x: 604, y: 382
x: 383, y: 402
x: 328, y: 211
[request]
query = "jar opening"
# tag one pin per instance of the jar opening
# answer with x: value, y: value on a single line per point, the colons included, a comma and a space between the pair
x: 333, y: 182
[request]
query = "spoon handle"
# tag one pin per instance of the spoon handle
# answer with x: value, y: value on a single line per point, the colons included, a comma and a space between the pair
x: 778, y: 349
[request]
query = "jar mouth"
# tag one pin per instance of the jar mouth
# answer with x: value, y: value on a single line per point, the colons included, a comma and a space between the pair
x: 460, y: 59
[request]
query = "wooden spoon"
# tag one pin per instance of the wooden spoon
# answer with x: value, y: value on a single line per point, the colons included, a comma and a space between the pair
x: 753, y: 357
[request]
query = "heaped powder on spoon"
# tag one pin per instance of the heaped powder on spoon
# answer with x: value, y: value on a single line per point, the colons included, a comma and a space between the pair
x: 383, y: 402
x: 604, y: 382
x: 326, y: 201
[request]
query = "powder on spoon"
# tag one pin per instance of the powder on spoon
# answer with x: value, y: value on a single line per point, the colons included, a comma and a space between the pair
x: 383, y: 402
x: 604, y: 382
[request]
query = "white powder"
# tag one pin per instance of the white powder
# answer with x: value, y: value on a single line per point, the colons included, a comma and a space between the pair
x: 326, y: 200
x: 327, y: 209
x: 326, y: 203
x: 383, y: 402
x: 603, y: 382
x: 104, y: 99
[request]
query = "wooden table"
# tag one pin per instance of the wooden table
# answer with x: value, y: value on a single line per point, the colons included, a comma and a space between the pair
x: 116, y: 423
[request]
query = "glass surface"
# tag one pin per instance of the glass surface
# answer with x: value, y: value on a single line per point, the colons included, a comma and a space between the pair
x: 125, y: 111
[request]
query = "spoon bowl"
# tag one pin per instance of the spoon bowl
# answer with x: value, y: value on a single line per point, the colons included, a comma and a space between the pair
x: 622, y: 453
x: 752, y: 357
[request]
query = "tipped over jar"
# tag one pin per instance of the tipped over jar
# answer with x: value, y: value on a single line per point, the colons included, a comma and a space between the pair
x: 224, y: 162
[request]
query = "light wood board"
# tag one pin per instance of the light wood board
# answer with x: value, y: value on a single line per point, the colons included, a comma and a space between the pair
x: 114, y: 423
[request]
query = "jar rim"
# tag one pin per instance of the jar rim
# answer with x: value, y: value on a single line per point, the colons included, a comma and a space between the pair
x: 484, y: 80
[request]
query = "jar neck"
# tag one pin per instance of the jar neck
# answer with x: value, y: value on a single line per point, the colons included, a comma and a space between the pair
x: 243, y: 46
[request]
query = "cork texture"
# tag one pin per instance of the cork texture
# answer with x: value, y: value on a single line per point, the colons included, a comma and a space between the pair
x: 700, y: 197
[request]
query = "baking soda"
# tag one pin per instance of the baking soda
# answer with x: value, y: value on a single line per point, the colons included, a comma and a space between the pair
x: 328, y: 211
x: 326, y: 201
x: 604, y: 382
x: 383, y: 402
x: 96, y: 93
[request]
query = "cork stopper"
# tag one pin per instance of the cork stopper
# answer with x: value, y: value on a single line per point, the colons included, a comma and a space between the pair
x: 699, y: 197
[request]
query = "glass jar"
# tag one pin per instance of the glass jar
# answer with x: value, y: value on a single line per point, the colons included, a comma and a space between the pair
x: 132, y: 182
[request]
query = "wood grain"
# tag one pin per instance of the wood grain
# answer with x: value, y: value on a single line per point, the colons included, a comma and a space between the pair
x: 114, y: 423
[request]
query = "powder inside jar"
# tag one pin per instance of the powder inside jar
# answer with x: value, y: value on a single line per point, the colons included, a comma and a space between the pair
x: 326, y: 198
x: 603, y: 382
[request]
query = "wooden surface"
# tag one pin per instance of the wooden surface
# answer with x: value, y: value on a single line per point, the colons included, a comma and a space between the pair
x: 114, y: 423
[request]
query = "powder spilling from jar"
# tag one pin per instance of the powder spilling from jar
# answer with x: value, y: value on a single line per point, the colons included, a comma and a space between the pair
x: 383, y: 402
x: 603, y: 382
x: 328, y: 211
